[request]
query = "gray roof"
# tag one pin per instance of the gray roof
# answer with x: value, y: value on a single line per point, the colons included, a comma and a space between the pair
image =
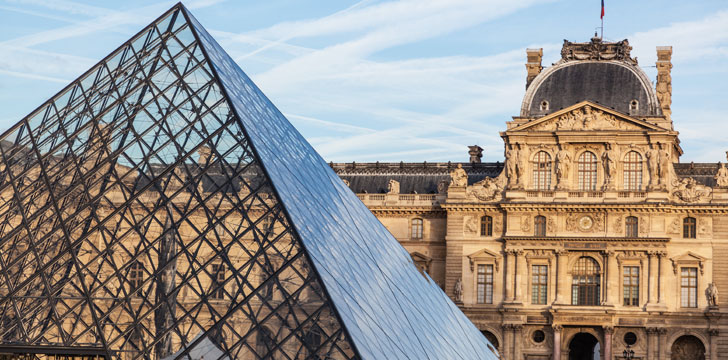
x: 609, y: 83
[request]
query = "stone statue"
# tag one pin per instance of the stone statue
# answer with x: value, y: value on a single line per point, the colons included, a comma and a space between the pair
x: 511, y: 160
x: 688, y: 190
x: 563, y: 161
x: 520, y: 168
x: 442, y: 186
x: 609, y: 161
x: 665, y: 164
x: 721, y: 178
x: 589, y: 117
x: 712, y: 294
x: 652, y: 166
x: 346, y: 182
x: 459, y: 290
x: 486, y: 189
x: 393, y: 187
x: 458, y: 177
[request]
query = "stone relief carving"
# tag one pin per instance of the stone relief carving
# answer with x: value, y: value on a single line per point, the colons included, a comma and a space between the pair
x: 458, y: 177
x: 712, y: 294
x: 471, y: 225
x: 442, y: 186
x: 563, y: 163
x: 597, y: 50
x: 393, y: 187
x: 609, y: 161
x: 585, y: 222
x: 688, y: 190
x: 705, y: 226
x: 551, y: 225
x: 486, y: 189
x: 674, y: 227
x: 721, y: 178
x: 644, y: 225
x: 585, y: 118
x: 618, y: 224
x: 526, y: 223
x: 515, y: 166
x: 497, y: 224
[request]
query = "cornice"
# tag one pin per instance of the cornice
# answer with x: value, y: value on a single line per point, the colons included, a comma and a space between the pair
x: 585, y: 239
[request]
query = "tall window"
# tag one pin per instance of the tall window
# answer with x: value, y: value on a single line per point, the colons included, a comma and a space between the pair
x: 136, y: 275
x: 633, y: 171
x: 542, y: 171
x: 486, y: 226
x: 417, y: 228
x: 585, y: 282
x: 631, y: 285
x: 218, y: 281
x: 539, y: 284
x: 689, y: 287
x: 587, y: 167
x: 485, y: 284
x: 539, y: 225
x: 632, y: 226
x: 689, y: 228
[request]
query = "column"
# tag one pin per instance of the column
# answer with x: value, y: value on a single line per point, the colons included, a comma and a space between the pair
x: 652, y: 279
x: 557, y: 341
x: 510, y: 270
x: 608, y: 331
x: 562, y: 283
x: 662, y: 255
x: 507, y: 346
x: 517, y: 341
x: 713, y: 343
x: 651, y: 342
x: 612, y: 277
x: 662, y: 343
x: 521, y: 276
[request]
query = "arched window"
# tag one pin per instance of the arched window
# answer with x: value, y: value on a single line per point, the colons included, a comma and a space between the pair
x: 486, y: 226
x: 539, y: 225
x: 632, y: 226
x: 417, y: 228
x: 542, y: 171
x: 587, y: 166
x: 689, y: 228
x: 633, y: 171
x: 585, y: 283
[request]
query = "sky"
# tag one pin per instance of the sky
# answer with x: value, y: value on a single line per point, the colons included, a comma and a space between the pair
x: 389, y: 81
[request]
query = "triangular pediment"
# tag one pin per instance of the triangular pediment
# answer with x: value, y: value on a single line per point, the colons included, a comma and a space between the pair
x: 587, y: 115
x: 484, y: 255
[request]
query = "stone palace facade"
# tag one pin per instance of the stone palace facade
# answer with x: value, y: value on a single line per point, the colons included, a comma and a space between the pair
x: 591, y: 237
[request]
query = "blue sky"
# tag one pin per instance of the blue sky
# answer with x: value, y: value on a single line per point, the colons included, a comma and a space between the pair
x: 410, y: 80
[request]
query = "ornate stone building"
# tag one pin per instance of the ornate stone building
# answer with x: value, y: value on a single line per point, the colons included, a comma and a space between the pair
x: 591, y: 237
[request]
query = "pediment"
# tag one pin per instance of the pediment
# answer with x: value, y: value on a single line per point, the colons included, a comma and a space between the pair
x: 483, y: 255
x: 587, y: 116
x: 688, y: 258
x: 419, y: 257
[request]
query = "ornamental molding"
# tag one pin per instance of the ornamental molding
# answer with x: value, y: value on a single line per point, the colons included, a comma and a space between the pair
x: 484, y: 255
x: 688, y: 258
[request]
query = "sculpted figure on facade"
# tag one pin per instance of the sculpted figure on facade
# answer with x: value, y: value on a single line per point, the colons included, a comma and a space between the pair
x: 442, y: 186
x: 721, y: 178
x: 471, y: 225
x: 346, y: 182
x: 586, y: 118
x: 665, y: 165
x: 653, y: 160
x: 688, y: 190
x: 609, y: 162
x: 459, y: 290
x: 486, y: 189
x: 458, y: 177
x: 563, y: 163
x: 512, y: 166
x: 712, y: 294
x: 393, y: 187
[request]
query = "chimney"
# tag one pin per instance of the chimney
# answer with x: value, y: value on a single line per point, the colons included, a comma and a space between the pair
x: 664, y: 80
x: 476, y: 153
x: 533, y: 64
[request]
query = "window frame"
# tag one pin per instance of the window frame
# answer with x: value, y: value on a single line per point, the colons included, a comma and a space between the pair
x: 690, y: 225
x: 217, y: 281
x: 539, y: 225
x: 485, y: 284
x: 632, y: 167
x: 589, y: 290
x: 539, y: 284
x: 631, y: 285
x: 587, y: 171
x: 691, y: 290
x: 631, y: 227
x: 541, y: 171
x: 486, y: 225
x: 417, y: 228
x: 136, y: 275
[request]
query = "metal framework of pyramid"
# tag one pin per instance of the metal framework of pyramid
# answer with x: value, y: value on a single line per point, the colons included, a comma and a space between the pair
x: 161, y: 207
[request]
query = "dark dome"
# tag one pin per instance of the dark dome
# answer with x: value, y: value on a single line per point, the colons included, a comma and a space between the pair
x: 614, y: 84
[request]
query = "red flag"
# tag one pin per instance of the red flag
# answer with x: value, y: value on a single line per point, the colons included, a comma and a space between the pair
x: 602, y: 10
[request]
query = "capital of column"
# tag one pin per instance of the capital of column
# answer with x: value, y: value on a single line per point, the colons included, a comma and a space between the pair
x: 561, y: 252
x: 713, y: 332
x: 608, y: 253
x: 608, y: 329
x: 662, y: 254
x: 662, y: 331
x: 557, y: 327
x: 652, y: 253
x: 651, y: 330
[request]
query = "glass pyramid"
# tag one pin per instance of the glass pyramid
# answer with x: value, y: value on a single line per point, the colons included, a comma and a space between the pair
x: 161, y: 207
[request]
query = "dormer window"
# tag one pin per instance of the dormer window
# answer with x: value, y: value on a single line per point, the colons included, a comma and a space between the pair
x: 634, y: 105
x: 544, y: 106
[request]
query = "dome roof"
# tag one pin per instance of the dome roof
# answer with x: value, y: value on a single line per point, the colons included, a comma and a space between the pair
x: 609, y: 78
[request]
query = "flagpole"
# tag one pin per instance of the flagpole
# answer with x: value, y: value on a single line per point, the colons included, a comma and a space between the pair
x: 602, y: 28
